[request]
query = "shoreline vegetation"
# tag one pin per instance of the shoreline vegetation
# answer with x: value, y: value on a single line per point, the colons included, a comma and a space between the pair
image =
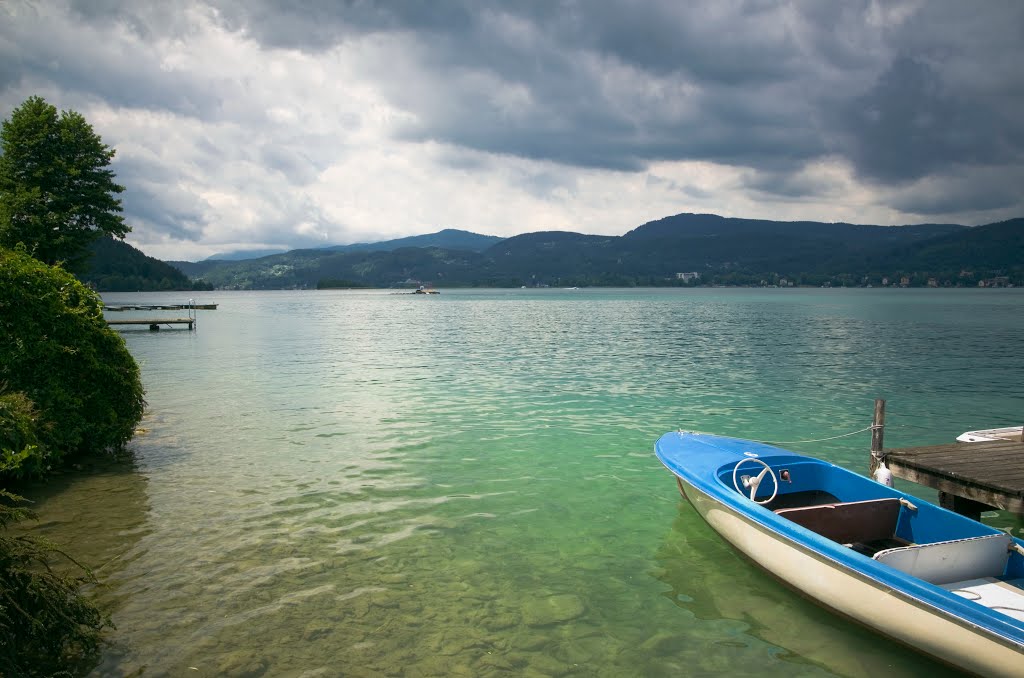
x: 69, y: 388
x: 70, y: 392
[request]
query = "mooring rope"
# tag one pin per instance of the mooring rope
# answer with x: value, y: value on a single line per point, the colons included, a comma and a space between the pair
x: 819, y: 440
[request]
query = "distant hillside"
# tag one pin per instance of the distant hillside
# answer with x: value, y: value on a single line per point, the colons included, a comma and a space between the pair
x: 706, y: 225
x: 307, y: 268
x: 196, y: 269
x: 710, y: 244
x: 995, y: 246
x: 449, y: 239
x: 719, y: 250
x: 116, y: 266
x: 242, y: 255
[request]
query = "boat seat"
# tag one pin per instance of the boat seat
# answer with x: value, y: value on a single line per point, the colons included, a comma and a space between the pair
x: 1002, y: 595
x: 956, y: 560
x: 849, y: 522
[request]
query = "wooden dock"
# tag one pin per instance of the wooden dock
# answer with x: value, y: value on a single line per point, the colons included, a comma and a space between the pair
x: 970, y: 477
x: 154, y: 325
x: 159, y: 307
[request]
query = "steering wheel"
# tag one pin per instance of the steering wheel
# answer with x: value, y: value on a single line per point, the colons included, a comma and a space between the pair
x: 755, y: 482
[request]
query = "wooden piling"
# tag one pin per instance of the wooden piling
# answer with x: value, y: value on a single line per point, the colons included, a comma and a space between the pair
x: 877, y: 435
x: 971, y: 477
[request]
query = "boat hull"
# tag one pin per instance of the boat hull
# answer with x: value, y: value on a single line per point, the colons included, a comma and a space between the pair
x: 868, y: 601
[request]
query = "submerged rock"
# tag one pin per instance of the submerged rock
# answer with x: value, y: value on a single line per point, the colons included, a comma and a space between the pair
x: 553, y: 609
x: 317, y: 629
x: 242, y: 665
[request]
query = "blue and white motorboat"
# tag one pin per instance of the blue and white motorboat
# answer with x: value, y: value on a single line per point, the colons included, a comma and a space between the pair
x: 939, y: 582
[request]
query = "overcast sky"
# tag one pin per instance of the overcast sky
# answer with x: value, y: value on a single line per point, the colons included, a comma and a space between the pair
x: 248, y: 123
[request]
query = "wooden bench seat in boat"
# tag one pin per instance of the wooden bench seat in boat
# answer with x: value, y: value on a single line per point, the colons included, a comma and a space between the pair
x: 850, y: 522
x: 956, y: 560
x: 869, y: 527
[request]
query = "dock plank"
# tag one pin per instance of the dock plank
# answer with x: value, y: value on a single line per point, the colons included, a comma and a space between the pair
x: 989, y: 472
x: 159, y: 307
x: 155, y: 324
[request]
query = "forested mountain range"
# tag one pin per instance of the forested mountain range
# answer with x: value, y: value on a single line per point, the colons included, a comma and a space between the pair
x: 449, y: 238
x: 719, y: 250
x: 116, y: 266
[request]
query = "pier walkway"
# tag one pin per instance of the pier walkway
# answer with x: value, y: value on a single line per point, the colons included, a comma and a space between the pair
x: 970, y: 477
x: 155, y: 324
x: 159, y: 307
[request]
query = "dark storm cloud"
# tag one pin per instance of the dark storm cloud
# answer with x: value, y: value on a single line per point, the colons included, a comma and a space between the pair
x: 760, y: 84
x: 726, y: 47
x: 152, y: 202
x: 322, y: 24
x: 583, y: 107
x: 163, y: 209
x: 911, y: 123
x: 979, y: 192
x: 757, y: 84
x: 917, y: 99
x: 788, y: 185
x: 44, y: 56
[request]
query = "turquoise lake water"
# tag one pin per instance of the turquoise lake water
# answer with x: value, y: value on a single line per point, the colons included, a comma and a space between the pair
x: 364, y: 483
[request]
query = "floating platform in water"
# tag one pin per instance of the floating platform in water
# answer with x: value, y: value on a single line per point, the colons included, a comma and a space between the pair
x: 154, y: 325
x: 159, y: 307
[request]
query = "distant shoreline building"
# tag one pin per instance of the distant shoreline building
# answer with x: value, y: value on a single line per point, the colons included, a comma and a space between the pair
x: 685, y: 277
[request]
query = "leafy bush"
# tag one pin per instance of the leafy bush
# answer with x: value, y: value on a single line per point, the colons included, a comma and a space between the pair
x: 56, y: 349
x: 20, y: 451
x: 46, y: 627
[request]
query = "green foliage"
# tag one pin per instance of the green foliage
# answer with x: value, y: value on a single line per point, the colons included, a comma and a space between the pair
x: 116, y: 266
x: 57, y: 193
x: 56, y: 349
x: 21, y: 453
x: 47, y: 627
x: 332, y: 284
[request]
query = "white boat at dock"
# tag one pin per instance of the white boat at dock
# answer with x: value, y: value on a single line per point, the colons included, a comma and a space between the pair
x: 1007, y: 433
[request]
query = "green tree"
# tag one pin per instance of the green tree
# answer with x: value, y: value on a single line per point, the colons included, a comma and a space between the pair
x: 57, y: 191
x: 56, y: 349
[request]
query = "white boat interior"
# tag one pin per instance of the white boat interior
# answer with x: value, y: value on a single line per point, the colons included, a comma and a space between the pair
x: 1006, y: 596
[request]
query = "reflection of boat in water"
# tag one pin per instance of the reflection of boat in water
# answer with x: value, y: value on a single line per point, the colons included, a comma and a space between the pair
x: 934, y: 580
x: 711, y: 581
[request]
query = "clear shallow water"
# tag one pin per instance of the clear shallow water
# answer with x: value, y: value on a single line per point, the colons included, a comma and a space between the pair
x: 374, y: 484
